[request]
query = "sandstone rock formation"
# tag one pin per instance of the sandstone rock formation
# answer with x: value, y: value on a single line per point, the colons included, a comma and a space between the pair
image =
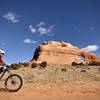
x: 62, y: 53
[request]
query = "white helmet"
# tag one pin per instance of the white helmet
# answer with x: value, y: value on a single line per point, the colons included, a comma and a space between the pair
x: 2, y: 52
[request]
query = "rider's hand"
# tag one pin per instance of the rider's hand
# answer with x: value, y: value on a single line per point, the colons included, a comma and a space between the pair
x: 4, y: 67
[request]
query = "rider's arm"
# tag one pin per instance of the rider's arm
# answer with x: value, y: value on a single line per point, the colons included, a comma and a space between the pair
x: 2, y: 63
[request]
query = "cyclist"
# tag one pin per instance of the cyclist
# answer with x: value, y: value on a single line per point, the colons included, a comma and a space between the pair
x: 2, y: 63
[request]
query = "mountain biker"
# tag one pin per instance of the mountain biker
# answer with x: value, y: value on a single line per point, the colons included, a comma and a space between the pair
x: 2, y: 63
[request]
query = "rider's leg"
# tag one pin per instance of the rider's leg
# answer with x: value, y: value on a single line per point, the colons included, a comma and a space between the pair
x: 1, y: 69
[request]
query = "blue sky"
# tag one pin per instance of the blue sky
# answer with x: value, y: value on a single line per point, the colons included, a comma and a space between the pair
x: 26, y: 23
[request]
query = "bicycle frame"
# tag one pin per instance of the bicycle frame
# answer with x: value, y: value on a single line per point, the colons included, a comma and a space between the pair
x: 2, y: 74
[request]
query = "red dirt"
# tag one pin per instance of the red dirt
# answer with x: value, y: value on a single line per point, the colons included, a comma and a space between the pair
x: 70, y: 91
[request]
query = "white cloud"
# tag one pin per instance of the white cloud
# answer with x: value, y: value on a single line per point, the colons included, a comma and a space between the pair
x: 91, y: 48
x: 32, y: 29
x: 41, y: 24
x: 11, y: 17
x: 41, y: 28
x: 29, y: 41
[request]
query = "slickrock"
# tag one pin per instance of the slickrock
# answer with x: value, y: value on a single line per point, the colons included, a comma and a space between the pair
x: 54, y: 52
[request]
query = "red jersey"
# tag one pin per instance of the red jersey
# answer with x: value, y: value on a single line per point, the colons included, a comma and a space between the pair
x: 2, y: 63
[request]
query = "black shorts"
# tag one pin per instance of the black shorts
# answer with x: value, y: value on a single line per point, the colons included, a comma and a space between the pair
x: 1, y: 69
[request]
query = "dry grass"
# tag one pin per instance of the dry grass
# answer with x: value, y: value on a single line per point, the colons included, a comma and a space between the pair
x: 59, y: 74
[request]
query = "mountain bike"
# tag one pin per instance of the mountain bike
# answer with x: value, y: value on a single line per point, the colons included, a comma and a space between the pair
x: 13, y: 82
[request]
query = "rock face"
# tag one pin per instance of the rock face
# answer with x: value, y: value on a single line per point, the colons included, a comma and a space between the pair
x: 62, y: 53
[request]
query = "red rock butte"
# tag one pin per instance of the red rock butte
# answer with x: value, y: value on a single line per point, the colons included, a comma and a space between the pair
x: 54, y: 52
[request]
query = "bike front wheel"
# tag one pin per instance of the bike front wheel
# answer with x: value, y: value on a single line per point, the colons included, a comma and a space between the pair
x: 13, y: 83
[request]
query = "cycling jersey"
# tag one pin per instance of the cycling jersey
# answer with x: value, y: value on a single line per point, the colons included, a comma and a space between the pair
x: 2, y: 63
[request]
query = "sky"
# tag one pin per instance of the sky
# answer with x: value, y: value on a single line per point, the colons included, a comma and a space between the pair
x: 24, y: 24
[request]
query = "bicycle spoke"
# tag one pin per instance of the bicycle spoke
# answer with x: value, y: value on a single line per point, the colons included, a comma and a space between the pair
x: 13, y: 82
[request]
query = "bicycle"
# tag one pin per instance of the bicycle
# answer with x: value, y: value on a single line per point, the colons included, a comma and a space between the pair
x: 13, y: 82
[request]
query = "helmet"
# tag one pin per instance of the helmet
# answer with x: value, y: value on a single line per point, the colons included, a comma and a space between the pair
x: 2, y: 52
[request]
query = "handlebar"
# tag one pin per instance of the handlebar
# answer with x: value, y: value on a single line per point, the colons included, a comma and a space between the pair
x: 6, y: 67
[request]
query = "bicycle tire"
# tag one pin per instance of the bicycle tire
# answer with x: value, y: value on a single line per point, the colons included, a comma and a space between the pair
x: 9, y: 78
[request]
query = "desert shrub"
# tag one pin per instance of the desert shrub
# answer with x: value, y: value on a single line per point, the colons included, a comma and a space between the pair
x: 34, y: 65
x: 63, y: 69
x: 43, y: 64
x: 15, y: 66
x: 80, y: 64
x: 25, y: 64
x: 74, y: 64
x: 98, y: 68
x: 94, y: 63
x: 88, y: 68
x: 83, y: 70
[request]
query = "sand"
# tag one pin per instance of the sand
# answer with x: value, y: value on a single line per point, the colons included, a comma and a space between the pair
x: 52, y: 91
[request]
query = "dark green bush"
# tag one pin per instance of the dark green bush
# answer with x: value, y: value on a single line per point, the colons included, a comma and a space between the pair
x: 83, y: 70
x: 34, y: 65
x: 63, y: 69
x: 15, y: 66
x: 25, y: 64
x: 74, y: 63
x: 43, y: 64
x: 94, y: 63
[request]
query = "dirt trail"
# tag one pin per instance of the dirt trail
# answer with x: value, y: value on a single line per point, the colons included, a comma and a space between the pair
x: 70, y: 91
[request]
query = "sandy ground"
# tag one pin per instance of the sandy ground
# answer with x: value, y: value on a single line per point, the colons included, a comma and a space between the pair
x: 68, y: 91
x: 53, y: 83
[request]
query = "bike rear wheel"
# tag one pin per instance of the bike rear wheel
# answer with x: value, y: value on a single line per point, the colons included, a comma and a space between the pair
x: 13, y: 83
